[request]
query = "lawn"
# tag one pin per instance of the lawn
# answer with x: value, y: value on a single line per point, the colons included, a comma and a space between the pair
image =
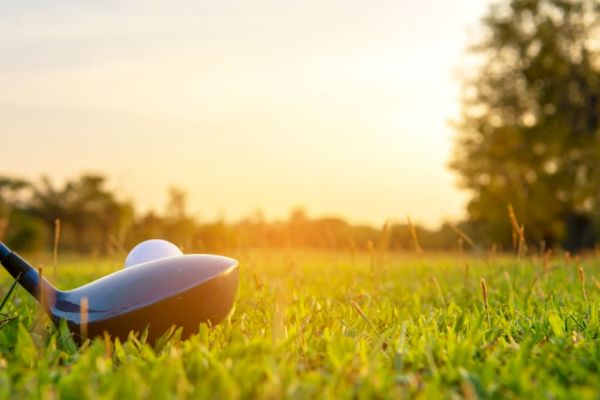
x: 331, y: 324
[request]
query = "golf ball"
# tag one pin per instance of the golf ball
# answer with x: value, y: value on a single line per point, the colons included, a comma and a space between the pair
x: 150, y: 250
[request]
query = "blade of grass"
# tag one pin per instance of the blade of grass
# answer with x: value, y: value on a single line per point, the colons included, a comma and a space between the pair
x: 369, y: 323
x: 12, y: 288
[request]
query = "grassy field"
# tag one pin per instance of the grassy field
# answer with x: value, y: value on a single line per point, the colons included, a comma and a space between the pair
x: 329, y: 325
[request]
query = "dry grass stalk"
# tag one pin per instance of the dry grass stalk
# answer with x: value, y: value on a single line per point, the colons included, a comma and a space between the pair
x: 484, y: 293
x: 468, y: 390
x: 438, y: 289
x: 384, y: 243
x: 371, y: 248
x: 83, y: 309
x: 513, y: 218
x: 369, y: 323
x: 522, y: 243
x: 414, y: 237
x: 40, y: 291
x: 519, y: 242
x: 508, y: 280
x: 257, y: 281
x: 56, y: 240
x: 462, y: 234
x: 108, y: 352
x: 45, y: 302
x: 547, y: 256
x: 353, y: 254
x: 581, y: 272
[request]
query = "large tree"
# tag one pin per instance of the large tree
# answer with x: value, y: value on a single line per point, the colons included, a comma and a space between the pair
x: 529, y: 132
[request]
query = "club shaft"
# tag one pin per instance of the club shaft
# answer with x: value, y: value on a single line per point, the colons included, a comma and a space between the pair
x: 28, y: 277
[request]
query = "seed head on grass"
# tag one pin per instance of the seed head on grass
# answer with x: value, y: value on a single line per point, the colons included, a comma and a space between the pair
x: 513, y: 218
x: 414, y: 237
x: 56, y: 239
x: 522, y: 243
x: 484, y: 293
x: 519, y: 242
x: 581, y: 273
x: 257, y: 282
x: 108, y: 346
x: 384, y: 242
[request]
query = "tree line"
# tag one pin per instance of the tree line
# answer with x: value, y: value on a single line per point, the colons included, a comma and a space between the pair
x: 85, y: 216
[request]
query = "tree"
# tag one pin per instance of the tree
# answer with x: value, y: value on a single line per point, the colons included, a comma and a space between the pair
x: 529, y: 131
x: 177, y: 204
x: 179, y: 226
x: 18, y: 228
x: 11, y: 190
x: 91, y: 217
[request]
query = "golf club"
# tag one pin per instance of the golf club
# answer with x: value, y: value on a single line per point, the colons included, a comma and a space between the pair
x: 181, y: 291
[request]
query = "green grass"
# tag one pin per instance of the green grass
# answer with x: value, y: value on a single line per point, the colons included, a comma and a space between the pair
x: 320, y: 325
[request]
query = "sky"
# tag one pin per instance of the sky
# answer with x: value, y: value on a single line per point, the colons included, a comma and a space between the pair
x: 341, y: 107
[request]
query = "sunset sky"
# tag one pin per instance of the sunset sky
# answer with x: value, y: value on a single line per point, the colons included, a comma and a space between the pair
x: 339, y: 106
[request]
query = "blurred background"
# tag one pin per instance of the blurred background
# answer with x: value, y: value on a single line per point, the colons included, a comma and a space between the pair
x: 220, y: 125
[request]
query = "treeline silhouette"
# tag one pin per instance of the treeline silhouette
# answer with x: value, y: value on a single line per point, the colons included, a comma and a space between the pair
x: 84, y: 216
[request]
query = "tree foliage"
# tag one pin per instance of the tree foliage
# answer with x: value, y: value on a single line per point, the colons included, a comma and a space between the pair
x: 529, y: 132
x: 94, y: 220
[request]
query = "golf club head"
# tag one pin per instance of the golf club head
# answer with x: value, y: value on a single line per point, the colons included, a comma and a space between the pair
x: 181, y: 291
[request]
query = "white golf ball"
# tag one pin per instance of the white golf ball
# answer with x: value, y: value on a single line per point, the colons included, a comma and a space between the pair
x: 150, y: 250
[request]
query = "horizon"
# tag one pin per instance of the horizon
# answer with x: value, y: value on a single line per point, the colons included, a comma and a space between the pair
x: 164, y: 96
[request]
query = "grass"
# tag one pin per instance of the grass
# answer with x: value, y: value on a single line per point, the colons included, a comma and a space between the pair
x: 338, y: 325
